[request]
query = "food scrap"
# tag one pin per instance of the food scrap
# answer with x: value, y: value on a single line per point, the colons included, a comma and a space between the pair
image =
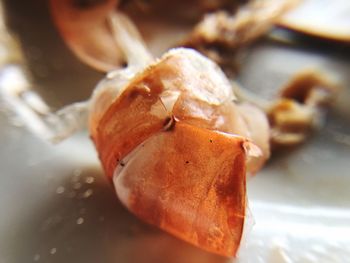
x: 174, y: 131
x: 222, y: 34
x: 300, y: 108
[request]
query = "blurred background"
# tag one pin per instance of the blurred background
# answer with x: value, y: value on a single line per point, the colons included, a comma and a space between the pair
x: 57, y: 206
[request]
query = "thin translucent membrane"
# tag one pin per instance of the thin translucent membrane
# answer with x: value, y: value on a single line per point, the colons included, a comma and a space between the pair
x: 190, y: 182
x: 176, y: 146
x: 85, y: 28
x: 127, y: 123
x: 183, y: 84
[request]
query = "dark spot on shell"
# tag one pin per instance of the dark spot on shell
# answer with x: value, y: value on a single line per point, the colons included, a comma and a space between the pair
x: 133, y: 94
x: 169, y: 123
x: 120, y: 163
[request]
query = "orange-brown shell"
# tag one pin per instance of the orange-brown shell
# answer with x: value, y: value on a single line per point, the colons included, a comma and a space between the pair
x: 84, y: 27
x: 169, y: 141
x: 183, y: 84
x: 190, y: 182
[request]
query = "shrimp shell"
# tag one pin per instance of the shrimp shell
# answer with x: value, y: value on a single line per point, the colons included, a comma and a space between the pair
x: 175, y: 144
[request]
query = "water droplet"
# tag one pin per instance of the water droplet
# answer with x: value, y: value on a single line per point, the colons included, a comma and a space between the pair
x: 89, y: 180
x: 77, y: 172
x: 80, y: 220
x: 17, y: 122
x: 88, y: 193
x: 60, y: 190
x: 53, y: 251
x: 36, y: 257
x: 77, y: 186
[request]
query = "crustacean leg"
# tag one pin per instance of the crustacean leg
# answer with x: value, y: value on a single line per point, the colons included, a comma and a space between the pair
x: 56, y: 126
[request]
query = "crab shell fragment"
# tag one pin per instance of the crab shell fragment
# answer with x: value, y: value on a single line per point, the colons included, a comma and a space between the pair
x: 176, y: 147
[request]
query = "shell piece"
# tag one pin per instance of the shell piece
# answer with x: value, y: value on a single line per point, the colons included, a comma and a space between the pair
x: 106, y: 92
x: 221, y: 34
x: 259, y: 132
x: 190, y: 182
x: 327, y: 19
x: 291, y: 122
x: 89, y: 27
x: 169, y: 140
x: 183, y: 84
x: 85, y: 28
x: 311, y: 87
x: 165, y: 24
x: 234, y: 30
x: 301, y: 108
